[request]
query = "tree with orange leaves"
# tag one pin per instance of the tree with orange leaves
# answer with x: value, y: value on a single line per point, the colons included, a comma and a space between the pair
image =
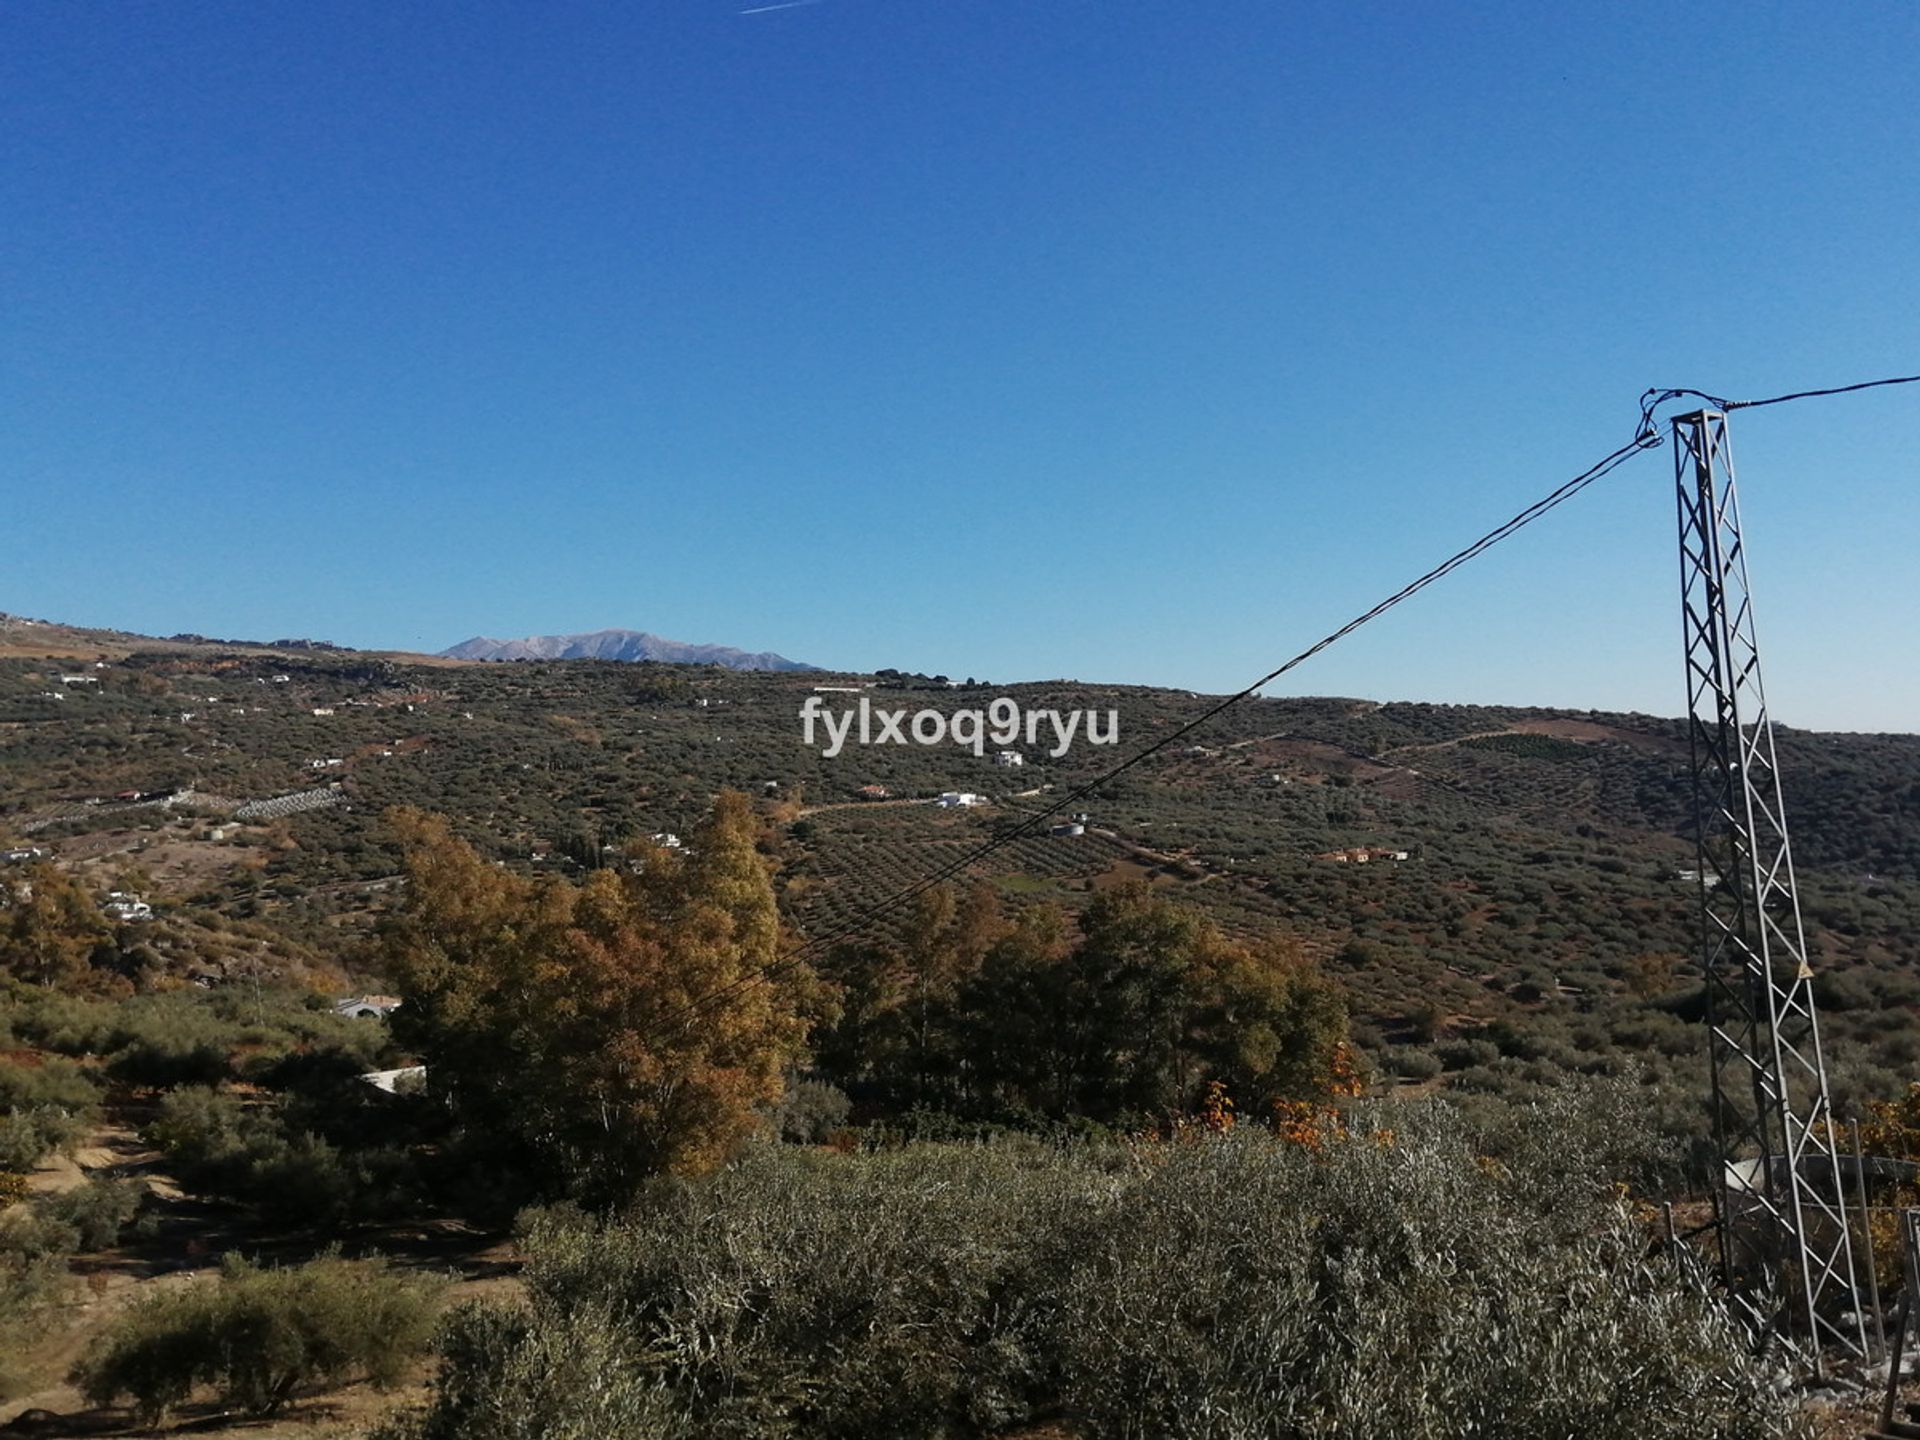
x: 633, y: 1024
x: 50, y: 928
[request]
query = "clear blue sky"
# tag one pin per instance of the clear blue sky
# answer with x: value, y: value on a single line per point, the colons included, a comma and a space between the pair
x: 1127, y: 341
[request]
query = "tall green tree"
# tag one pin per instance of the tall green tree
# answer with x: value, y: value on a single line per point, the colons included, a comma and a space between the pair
x: 900, y: 1031
x: 1123, y: 1019
x: 1269, y: 1025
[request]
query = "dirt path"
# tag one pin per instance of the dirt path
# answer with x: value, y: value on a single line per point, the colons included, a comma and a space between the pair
x: 1579, y: 731
x: 806, y: 810
x: 1445, y: 744
x: 181, y: 1243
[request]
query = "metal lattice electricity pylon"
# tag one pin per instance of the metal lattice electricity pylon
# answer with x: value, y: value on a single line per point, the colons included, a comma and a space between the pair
x: 1784, y: 1250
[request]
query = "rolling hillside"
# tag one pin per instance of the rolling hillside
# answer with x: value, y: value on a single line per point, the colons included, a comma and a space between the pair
x: 1541, y: 886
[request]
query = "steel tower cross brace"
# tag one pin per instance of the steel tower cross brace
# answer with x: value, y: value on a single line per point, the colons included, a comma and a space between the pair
x: 1784, y: 1249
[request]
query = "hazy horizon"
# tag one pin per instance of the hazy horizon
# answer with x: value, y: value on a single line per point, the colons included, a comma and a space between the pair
x: 751, y: 646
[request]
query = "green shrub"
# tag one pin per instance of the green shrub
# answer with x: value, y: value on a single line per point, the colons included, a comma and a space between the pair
x: 53, y: 1082
x: 97, y: 1211
x: 1465, y: 1054
x: 249, y: 1153
x: 1245, y: 1291
x: 43, y: 1108
x: 32, y: 1232
x: 194, y: 1037
x: 1231, y: 1288
x: 570, y: 1376
x: 199, y: 1127
x: 30, y: 1286
x: 28, y: 1136
x: 810, y: 1111
x: 256, y: 1336
x: 48, y: 1229
x: 1412, y: 1064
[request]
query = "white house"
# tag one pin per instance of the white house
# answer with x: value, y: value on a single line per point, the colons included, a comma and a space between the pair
x: 960, y: 799
x: 1009, y: 758
x: 391, y: 1081
x: 366, y: 1007
x: 130, y: 908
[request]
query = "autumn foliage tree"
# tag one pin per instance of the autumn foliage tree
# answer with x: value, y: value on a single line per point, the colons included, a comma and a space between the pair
x: 637, y: 1023
x: 50, y: 927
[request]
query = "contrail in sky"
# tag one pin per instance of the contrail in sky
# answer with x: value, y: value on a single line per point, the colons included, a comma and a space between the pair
x: 784, y: 5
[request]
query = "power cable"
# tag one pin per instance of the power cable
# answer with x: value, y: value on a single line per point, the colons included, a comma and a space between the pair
x: 1646, y: 437
x: 1655, y: 398
x: 888, y: 905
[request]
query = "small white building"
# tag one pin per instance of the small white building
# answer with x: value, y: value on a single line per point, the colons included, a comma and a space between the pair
x: 393, y: 1081
x: 366, y: 1007
x: 959, y: 799
x: 128, y: 908
x: 323, y: 710
x: 1007, y: 759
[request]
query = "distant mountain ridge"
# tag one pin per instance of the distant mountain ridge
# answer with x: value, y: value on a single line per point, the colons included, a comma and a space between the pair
x: 619, y: 645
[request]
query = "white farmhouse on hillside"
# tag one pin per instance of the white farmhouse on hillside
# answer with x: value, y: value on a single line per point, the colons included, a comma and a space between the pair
x: 393, y: 1081
x: 131, y: 908
x: 366, y: 1007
